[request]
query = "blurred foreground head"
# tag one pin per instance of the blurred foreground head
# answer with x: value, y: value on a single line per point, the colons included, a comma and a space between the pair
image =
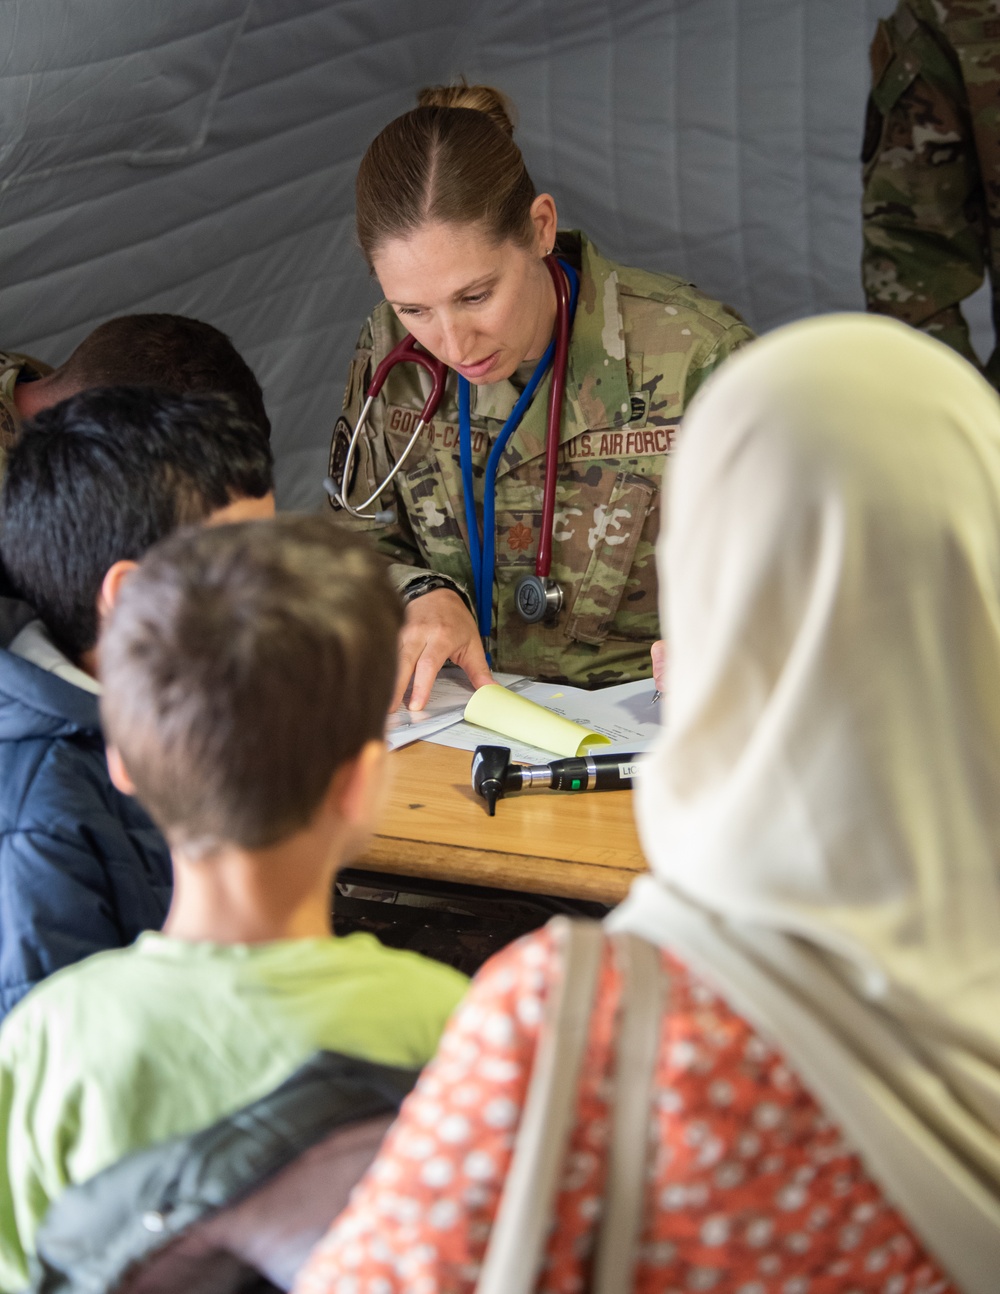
x: 242, y: 666
x: 822, y: 814
x: 833, y: 604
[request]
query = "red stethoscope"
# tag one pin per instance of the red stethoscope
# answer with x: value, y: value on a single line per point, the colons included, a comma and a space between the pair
x: 537, y: 597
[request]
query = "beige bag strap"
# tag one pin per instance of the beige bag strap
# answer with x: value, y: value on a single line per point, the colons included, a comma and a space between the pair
x: 639, y: 1033
x: 521, y: 1228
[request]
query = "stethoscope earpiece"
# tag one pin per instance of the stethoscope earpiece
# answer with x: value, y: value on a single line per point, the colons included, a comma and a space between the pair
x: 385, y: 518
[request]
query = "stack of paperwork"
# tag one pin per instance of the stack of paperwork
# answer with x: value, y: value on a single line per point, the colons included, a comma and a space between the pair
x: 615, y: 719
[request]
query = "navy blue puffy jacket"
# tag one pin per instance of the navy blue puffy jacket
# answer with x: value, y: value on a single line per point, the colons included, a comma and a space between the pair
x: 82, y: 867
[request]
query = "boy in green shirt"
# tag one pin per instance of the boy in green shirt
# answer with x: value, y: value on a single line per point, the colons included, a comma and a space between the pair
x: 247, y: 673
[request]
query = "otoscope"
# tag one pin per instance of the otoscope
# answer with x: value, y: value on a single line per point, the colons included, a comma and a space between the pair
x: 494, y: 776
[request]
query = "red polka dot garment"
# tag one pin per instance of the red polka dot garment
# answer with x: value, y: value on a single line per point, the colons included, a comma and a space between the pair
x: 751, y: 1190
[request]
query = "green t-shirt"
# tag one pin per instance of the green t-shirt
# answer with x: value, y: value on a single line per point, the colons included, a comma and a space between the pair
x: 140, y: 1044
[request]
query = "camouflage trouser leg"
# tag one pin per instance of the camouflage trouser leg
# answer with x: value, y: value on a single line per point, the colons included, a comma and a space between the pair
x: 950, y: 326
x: 926, y: 244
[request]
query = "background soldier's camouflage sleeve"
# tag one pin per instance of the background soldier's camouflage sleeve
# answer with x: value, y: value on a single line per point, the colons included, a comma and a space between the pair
x: 12, y: 367
x: 932, y: 140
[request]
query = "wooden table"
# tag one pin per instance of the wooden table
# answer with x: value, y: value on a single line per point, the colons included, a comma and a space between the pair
x: 575, y: 846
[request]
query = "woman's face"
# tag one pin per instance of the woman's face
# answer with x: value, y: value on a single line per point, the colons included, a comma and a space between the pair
x: 480, y: 306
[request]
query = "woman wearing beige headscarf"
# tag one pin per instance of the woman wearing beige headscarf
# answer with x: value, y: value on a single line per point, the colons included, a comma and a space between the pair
x: 822, y: 817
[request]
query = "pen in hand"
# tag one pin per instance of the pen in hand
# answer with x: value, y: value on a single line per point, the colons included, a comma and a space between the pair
x: 658, y: 659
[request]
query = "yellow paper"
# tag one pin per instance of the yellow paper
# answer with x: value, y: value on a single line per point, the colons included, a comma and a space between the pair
x: 515, y: 716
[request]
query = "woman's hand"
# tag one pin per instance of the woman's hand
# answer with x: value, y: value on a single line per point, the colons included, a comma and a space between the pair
x: 658, y: 652
x: 437, y: 627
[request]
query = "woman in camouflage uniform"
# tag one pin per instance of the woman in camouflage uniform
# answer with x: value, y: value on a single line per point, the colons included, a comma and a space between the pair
x: 450, y: 223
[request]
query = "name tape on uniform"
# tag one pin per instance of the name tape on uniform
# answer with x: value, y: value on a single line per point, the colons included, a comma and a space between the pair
x: 649, y: 442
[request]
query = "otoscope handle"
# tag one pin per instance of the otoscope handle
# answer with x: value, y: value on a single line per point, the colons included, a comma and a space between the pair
x: 593, y: 773
x: 494, y: 776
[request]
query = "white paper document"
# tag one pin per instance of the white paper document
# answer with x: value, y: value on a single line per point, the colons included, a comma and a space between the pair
x: 449, y: 697
x: 625, y: 714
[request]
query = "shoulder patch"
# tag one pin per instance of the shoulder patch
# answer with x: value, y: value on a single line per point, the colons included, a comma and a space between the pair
x: 339, y: 442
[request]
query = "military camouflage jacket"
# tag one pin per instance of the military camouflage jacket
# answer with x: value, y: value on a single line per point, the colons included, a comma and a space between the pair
x: 932, y: 166
x: 641, y: 346
x: 12, y: 367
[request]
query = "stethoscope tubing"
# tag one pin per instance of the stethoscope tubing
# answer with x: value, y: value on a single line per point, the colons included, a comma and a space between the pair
x: 483, y: 553
x: 358, y: 510
x: 408, y: 351
x: 565, y: 309
x: 482, y: 548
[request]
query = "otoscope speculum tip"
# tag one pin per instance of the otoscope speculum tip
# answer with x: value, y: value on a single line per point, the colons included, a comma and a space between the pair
x: 490, y: 769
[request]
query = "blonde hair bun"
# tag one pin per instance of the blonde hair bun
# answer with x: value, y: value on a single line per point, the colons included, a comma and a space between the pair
x: 480, y: 98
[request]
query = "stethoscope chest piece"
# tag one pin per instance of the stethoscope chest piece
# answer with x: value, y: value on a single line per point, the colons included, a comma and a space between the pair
x: 537, y: 599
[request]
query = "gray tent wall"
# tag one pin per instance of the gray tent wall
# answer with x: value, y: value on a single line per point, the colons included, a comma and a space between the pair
x: 198, y: 156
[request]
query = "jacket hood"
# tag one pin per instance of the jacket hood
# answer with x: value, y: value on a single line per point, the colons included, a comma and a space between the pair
x: 33, y: 702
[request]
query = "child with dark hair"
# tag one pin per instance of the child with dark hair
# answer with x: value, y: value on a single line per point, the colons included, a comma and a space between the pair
x: 248, y: 672
x: 92, y: 483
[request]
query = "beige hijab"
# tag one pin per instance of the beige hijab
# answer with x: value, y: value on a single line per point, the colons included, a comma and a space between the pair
x: 822, y: 811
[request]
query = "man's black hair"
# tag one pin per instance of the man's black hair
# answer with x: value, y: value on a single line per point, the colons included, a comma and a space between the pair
x: 100, y: 477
